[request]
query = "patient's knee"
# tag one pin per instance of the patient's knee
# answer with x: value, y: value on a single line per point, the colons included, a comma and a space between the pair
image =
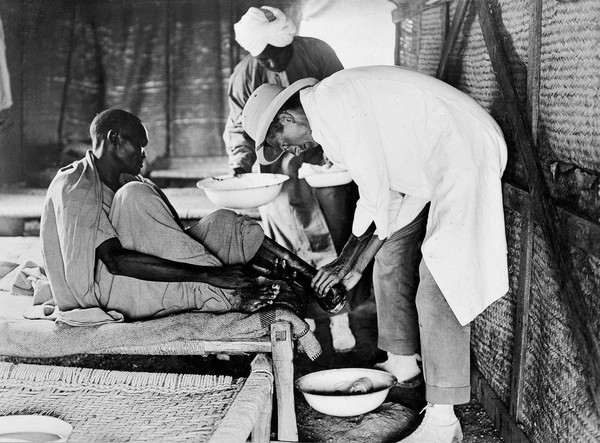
x: 133, y: 199
x: 134, y: 191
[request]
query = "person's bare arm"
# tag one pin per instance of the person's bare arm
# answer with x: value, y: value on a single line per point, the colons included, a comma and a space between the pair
x: 249, y: 292
x: 350, y: 264
x: 121, y: 261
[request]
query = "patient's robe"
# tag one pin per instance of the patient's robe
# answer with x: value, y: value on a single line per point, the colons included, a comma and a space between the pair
x: 79, y: 216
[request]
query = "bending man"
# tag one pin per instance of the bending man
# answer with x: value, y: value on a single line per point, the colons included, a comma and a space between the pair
x: 412, y: 144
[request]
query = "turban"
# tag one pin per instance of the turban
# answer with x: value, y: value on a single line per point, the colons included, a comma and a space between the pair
x: 261, y: 27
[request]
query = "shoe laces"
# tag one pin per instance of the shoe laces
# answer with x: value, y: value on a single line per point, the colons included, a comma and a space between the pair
x: 427, y: 406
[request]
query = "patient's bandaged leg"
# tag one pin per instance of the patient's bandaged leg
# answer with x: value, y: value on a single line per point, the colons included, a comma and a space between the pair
x: 145, y: 223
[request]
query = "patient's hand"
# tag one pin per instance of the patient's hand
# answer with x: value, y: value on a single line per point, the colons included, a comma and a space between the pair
x: 232, y: 277
x: 251, y: 299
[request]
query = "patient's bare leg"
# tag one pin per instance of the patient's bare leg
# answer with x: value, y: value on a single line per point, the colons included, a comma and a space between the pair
x: 283, y: 264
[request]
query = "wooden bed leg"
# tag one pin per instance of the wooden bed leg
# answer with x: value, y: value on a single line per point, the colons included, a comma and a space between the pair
x: 262, y: 431
x: 283, y: 369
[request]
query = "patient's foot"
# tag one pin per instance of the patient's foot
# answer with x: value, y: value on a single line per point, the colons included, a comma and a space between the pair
x: 254, y: 298
x: 293, y: 297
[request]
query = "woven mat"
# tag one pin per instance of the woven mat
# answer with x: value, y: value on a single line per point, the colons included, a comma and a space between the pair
x: 185, y: 331
x: 106, y: 405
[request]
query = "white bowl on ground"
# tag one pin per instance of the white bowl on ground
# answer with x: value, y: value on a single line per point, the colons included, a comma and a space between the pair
x: 244, y: 191
x: 326, y: 391
x: 323, y: 176
x: 33, y: 428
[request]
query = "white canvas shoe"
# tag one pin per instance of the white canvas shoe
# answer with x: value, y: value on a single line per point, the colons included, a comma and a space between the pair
x: 341, y: 334
x: 405, y: 368
x: 436, y: 429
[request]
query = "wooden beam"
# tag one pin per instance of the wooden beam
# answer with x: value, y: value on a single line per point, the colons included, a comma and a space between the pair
x: 525, y: 267
x: 571, y: 293
x: 495, y: 409
x: 523, y: 298
x: 534, y: 66
x: 459, y: 17
x: 445, y: 19
x: 579, y: 232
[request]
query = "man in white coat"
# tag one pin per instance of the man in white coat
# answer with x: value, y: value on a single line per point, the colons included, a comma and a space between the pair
x: 428, y: 161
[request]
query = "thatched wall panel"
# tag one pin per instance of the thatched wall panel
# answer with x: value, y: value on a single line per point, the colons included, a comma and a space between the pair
x: 570, y: 82
x: 197, y: 91
x: 119, y: 60
x: 570, y: 104
x: 430, y: 50
x: 46, y: 42
x: 471, y: 70
x: 556, y: 404
x: 492, y: 337
x: 167, y: 61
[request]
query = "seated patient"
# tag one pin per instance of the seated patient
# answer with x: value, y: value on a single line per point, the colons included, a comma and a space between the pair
x: 111, y: 239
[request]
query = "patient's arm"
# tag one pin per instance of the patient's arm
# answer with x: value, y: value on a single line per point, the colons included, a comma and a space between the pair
x: 250, y: 293
x: 126, y: 262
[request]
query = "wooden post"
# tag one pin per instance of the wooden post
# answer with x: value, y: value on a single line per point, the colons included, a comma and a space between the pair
x: 522, y: 315
x: 495, y: 409
x: 450, y: 41
x: 571, y: 293
x: 262, y: 431
x: 283, y: 368
x: 524, y: 289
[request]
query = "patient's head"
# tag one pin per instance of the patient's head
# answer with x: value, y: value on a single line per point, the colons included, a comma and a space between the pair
x: 119, y: 137
x: 120, y: 122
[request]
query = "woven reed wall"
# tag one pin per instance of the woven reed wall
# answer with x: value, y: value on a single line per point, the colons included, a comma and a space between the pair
x: 570, y: 103
x: 167, y: 61
x: 430, y: 50
x: 556, y: 405
x: 492, y: 332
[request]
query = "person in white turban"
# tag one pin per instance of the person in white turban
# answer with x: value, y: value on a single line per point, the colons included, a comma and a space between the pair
x: 312, y: 222
x: 261, y: 27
